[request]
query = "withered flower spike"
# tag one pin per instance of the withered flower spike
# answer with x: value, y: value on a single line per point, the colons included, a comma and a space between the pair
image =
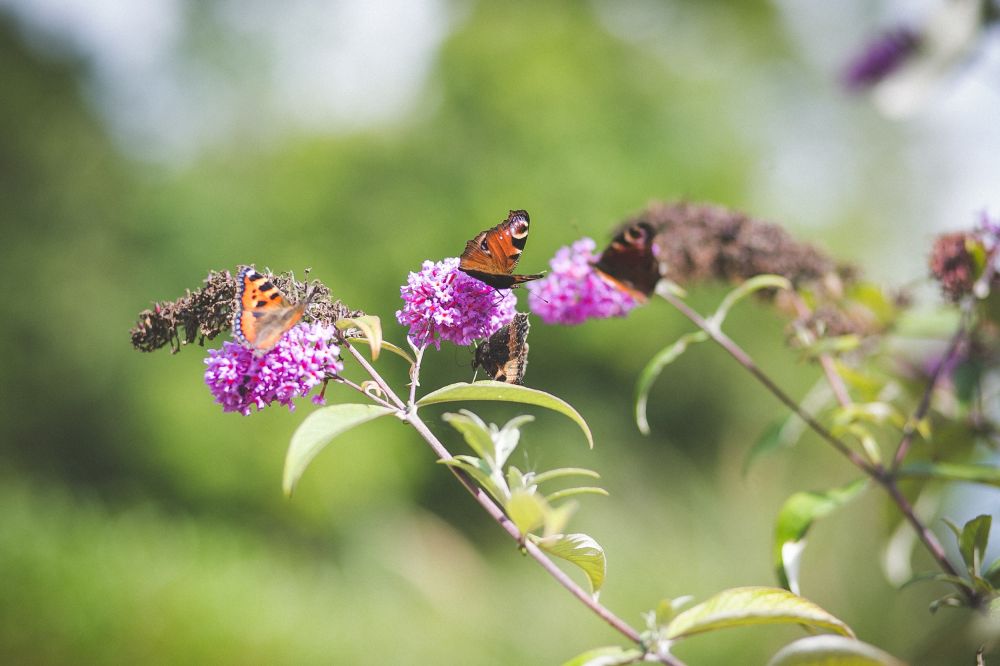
x: 206, y: 312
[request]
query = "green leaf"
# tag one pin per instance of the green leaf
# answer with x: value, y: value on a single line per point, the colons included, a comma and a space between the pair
x: 505, y: 440
x: 992, y: 574
x: 972, y: 543
x: 317, y: 430
x: 387, y: 345
x: 474, y: 430
x: 952, y: 472
x: 491, y: 390
x: 796, y: 516
x: 577, y: 490
x: 581, y: 550
x: 560, y: 472
x: 612, y: 655
x: 666, y: 611
x: 745, y: 606
x: 653, y: 369
x: 754, y: 284
x: 526, y: 510
x: 482, y: 472
x: 832, y: 651
x: 370, y: 327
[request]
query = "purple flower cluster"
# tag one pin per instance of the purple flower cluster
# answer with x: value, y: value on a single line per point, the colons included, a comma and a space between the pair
x: 240, y: 378
x: 573, y: 292
x: 443, y: 303
x: 880, y: 58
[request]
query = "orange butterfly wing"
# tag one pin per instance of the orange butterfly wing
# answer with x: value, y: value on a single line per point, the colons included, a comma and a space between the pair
x: 629, y: 263
x: 264, y: 314
x: 493, y: 254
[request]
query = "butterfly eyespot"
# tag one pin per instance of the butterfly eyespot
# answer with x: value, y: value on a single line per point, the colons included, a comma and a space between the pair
x: 492, y: 255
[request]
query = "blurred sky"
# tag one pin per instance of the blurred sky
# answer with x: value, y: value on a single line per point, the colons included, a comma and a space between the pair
x: 311, y: 66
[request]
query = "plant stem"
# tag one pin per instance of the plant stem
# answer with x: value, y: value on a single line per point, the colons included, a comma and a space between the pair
x: 877, y: 472
x: 925, y: 400
x: 374, y: 398
x: 924, y: 533
x: 377, y: 378
x: 409, y: 415
x: 744, y: 359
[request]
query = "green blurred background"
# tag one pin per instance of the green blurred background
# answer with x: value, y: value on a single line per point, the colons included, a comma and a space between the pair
x: 142, y: 144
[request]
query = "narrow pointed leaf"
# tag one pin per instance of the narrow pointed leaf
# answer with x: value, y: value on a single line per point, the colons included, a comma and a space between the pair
x: 506, y: 439
x: 581, y: 550
x: 992, y: 574
x: 479, y: 470
x: 317, y: 430
x: 952, y: 472
x: 370, y: 327
x: 398, y: 351
x: 578, y: 490
x: 491, y: 390
x: 798, y: 514
x: 832, y: 651
x: 973, y: 540
x: 744, y: 606
x: 560, y: 472
x: 612, y: 655
x: 475, y: 432
x: 648, y: 376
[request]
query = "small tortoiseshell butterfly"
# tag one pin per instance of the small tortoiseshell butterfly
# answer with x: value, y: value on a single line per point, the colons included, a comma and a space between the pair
x: 628, y: 262
x: 504, y: 355
x: 263, y: 315
x: 491, y: 256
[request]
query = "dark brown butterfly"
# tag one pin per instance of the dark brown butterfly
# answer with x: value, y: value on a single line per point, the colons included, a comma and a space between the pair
x: 504, y: 355
x: 628, y: 262
x: 492, y: 255
x: 263, y: 315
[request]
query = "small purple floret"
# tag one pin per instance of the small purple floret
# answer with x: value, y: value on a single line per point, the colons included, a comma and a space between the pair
x: 880, y: 58
x: 573, y: 292
x: 240, y: 379
x: 443, y: 303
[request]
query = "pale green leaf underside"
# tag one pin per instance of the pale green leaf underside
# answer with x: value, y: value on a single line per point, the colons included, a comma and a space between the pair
x: 612, y: 655
x: 370, y: 327
x: 798, y: 514
x: 745, y: 606
x: 832, y: 651
x: 317, y: 430
x: 581, y: 550
x: 501, y: 391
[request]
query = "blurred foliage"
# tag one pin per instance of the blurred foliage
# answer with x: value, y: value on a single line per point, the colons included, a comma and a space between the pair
x: 140, y: 523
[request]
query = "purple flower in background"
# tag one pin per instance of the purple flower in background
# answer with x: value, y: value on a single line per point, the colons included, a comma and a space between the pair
x: 881, y: 58
x: 573, y: 292
x: 239, y: 378
x: 443, y: 303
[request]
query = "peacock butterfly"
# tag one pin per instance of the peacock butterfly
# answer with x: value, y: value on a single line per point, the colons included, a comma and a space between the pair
x: 629, y: 262
x: 491, y: 256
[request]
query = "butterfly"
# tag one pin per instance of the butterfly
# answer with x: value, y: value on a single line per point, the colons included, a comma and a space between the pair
x: 491, y: 256
x: 504, y: 355
x: 629, y: 263
x: 263, y: 315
